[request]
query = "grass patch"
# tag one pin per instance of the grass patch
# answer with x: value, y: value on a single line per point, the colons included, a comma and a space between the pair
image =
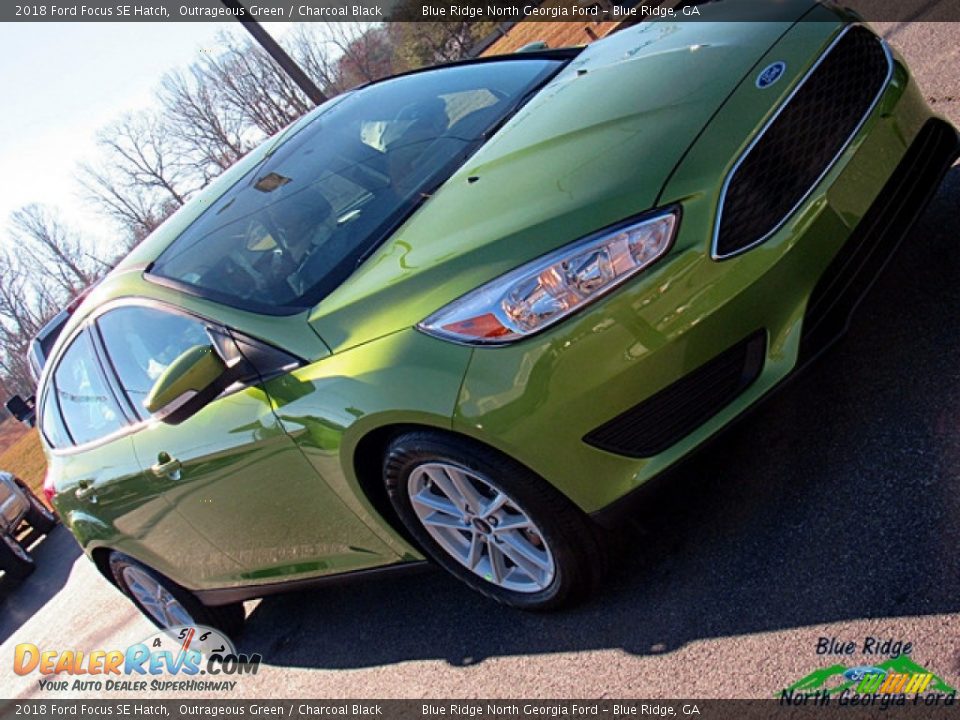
x: 10, y: 431
x: 25, y: 459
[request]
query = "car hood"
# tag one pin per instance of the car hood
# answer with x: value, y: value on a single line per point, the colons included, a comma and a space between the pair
x: 594, y: 146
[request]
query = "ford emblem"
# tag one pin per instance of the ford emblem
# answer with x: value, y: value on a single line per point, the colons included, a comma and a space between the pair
x: 770, y: 74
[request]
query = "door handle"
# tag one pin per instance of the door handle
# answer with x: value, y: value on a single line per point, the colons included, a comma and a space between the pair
x: 86, y: 490
x: 166, y: 467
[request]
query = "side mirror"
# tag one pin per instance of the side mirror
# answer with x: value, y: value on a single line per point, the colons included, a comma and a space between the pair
x: 191, y: 381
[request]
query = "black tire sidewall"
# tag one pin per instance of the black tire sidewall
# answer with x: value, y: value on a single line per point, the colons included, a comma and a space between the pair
x: 39, y: 516
x: 564, y: 528
x: 14, y: 565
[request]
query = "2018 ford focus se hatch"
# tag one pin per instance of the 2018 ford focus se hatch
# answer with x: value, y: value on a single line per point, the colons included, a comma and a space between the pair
x: 457, y: 313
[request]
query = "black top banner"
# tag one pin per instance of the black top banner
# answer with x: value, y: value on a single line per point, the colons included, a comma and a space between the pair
x: 504, y: 11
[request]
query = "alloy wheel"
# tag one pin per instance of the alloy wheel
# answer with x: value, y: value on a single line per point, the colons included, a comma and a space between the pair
x: 159, y: 603
x: 481, y: 527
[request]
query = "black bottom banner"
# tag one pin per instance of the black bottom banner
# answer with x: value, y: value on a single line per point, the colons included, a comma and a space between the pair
x: 878, y: 706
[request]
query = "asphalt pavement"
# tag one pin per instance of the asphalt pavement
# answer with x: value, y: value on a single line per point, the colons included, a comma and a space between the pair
x: 831, y: 512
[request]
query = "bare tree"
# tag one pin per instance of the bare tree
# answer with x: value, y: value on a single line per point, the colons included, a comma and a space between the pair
x: 425, y: 43
x: 18, y: 308
x: 143, y: 174
x: 134, y: 209
x: 143, y: 153
x: 51, y: 251
x: 211, y: 134
x: 309, y: 46
x: 26, y: 301
x: 363, y: 51
x: 339, y: 56
x: 252, y: 85
x: 43, y: 266
x: 14, y: 343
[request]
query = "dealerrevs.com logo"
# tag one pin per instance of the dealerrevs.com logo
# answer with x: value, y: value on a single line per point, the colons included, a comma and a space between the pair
x: 187, y: 658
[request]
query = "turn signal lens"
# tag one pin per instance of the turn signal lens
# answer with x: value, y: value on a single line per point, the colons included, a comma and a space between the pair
x: 543, y: 292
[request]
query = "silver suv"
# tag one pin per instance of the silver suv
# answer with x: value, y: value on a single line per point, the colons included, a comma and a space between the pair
x: 18, y: 504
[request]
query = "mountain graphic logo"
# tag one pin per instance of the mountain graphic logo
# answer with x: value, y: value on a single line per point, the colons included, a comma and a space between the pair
x: 896, y: 675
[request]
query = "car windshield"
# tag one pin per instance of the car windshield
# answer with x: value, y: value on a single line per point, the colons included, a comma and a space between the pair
x: 298, y: 224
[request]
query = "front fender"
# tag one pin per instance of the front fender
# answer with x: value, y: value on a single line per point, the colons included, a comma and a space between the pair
x: 330, y: 406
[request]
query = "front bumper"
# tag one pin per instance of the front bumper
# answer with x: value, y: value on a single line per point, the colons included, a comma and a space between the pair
x: 538, y: 399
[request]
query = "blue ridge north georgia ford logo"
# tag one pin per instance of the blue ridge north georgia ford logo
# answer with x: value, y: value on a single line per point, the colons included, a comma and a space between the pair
x: 770, y: 74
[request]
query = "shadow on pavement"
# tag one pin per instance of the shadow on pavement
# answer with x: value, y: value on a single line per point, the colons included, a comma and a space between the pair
x: 837, y: 500
x: 54, y: 555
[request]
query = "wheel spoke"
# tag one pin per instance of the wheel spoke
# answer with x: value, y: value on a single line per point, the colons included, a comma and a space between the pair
x: 140, y: 591
x: 445, y: 521
x: 513, y: 522
x: 181, y: 616
x: 167, y: 614
x: 473, y: 500
x: 498, y: 568
x: 151, y: 605
x: 524, y: 555
x: 175, y: 613
x: 494, y: 505
x: 437, y: 503
x: 442, y: 482
x: 476, y: 551
x: 156, y: 600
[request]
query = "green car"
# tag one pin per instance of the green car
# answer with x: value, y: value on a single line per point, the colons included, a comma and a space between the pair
x: 467, y: 313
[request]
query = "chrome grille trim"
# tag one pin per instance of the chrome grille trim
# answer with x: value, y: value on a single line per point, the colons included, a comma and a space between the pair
x: 829, y: 166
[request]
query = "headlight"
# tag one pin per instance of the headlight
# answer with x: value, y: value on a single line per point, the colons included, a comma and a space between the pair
x: 543, y: 292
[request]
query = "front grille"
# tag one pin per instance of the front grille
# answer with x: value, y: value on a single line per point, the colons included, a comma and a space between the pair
x: 673, y: 413
x: 878, y: 234
x: 797, y: 148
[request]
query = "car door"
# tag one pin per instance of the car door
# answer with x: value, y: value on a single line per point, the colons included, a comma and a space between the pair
x: 101, y: 492
x: 231, y: 469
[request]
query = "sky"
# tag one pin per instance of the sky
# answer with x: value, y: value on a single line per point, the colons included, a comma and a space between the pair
x: 61, y: 82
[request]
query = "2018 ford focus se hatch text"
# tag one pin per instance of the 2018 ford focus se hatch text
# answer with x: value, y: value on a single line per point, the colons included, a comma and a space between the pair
x: 456, y: 314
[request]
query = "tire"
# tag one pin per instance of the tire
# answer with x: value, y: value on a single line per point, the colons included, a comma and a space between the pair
x: 132, y: 577
x: 555, y: 560
x: 39, y: 516
x: 14, y: 560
